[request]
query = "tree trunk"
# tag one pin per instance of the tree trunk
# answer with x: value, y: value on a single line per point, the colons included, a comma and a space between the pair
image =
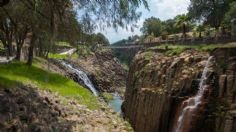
x: 200, y: 34
x: 184, y: 31
x: 18, y: 52
x: 31, y: 51
x: 10, y: 48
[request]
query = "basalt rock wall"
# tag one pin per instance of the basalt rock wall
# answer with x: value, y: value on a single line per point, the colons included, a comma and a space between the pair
x: 157, y: 85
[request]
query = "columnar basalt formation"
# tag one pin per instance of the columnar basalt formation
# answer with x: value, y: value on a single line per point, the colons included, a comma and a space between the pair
x: 158, y: 84
x: 154, y: 83
x: 226, y: 69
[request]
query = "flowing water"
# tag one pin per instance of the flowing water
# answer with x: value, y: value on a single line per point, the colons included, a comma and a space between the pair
x: 116, y: 103
x: 190, y: 105
x: 82, y: 75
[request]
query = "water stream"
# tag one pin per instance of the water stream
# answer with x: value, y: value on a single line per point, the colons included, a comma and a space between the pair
x: 115, y: 103
x: 190, y: 105
x: 82, y: 75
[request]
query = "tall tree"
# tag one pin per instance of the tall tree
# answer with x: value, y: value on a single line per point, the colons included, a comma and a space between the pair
x: 182, y: 21
x: 231, y: 14
x: 152, y: 26
x: 209, y: 11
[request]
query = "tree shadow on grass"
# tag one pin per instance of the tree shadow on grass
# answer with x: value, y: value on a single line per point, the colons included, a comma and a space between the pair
x: 33, y: 73
x: 22, y: 108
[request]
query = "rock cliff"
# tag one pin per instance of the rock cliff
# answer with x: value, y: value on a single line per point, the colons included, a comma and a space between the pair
x: 104, y: 70
x: 157, y: 85
x: 226, y: 70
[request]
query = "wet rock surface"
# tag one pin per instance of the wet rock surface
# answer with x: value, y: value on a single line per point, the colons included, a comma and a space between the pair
x: 28, y: 109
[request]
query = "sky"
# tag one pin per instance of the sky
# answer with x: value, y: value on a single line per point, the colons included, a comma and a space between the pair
x: 163, y: 9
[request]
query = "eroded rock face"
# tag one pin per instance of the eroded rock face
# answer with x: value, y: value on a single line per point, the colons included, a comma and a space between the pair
x: 104, y: 70
x: 155, y: 84
x: 226, y: 69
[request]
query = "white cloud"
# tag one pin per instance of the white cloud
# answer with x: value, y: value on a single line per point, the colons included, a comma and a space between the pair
x: 163, y: 9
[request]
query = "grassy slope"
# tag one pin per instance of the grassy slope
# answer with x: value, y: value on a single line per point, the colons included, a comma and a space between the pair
x: 178, y: 48
x: 18, y: 72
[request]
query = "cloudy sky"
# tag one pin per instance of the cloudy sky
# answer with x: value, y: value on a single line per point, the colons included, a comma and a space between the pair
x: 163, y: 9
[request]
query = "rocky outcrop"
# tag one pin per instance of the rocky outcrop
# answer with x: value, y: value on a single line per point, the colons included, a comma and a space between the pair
x: 158, y: 84
x: 154, y: 83
x: 29, y: 109
x: 226, y: 70
x: 104, y: 70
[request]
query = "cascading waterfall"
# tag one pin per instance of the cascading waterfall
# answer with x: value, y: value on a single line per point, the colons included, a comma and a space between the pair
x: 82, y: 75
x: 190, y: 105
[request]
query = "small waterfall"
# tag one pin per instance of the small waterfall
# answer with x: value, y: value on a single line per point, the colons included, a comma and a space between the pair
x: 190, y: 105
x: 82, y: 75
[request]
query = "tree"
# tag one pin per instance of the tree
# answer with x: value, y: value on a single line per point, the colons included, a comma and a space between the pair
x: 152, y: 26
x: 200, y: 28
x: 182, y: 21
x: 209, y: 11
x: 44, y: 18
x: 6, y: 31
x: 169, y: 26
x: 99, y: 38
x: 231, y: 14
x: 20, y: 23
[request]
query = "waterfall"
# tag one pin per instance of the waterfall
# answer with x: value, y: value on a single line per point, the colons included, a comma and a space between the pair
x: 82, y: 75
x: 190, y: 105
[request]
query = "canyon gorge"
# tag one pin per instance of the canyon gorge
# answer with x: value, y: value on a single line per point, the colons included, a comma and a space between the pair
x: 190, y: 92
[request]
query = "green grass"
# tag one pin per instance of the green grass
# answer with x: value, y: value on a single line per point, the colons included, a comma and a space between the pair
x: 125, y: 66
x: 58, y: 56
x: 107, y: 96
x: 63, y: 44
x: 1, y: 46
x: 178, y: 48
x: 18, y: 72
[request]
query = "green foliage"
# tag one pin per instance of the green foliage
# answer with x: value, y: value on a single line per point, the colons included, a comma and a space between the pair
x: 178, y: 48
x: 210, y: 11
x: 59, y: 56
x: 84, y: 50
x: 200, y: 29
x: 130, y: 39
x: 124, y: 59
x: 181, y: 20
x: 1, y: 46
x: 125, y: 66
x: 108, y: 96
x: 63, y: 44
x: 148, y: 55
x: 152, y: 26
x: 18, y: 72
x: 99, y: 38
x: 171, y: 26
x: 231, y: 14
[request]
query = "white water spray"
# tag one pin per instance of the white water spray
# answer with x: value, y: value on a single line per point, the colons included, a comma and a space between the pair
x: 191, y: 104
x: 82, y: 75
